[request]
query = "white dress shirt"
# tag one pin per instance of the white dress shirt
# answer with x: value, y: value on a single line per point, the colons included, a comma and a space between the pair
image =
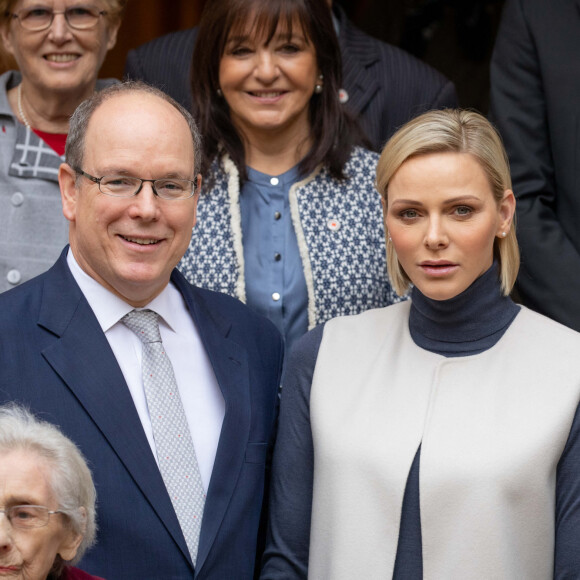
x: 198, y: 387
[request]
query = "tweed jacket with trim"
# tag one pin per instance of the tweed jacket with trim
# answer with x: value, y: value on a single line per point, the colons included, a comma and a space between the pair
x: 340, y: 231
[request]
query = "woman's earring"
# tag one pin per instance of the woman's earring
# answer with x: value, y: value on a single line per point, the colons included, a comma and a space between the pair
x: 219, y: 92
x: 503, y: 234
x: 318, y: 85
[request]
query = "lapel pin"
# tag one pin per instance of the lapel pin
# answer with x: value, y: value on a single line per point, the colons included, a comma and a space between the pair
x: 333, y: 225
x: 343, y: 96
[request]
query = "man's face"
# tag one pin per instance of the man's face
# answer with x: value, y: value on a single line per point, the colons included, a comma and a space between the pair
x: 131, y: 245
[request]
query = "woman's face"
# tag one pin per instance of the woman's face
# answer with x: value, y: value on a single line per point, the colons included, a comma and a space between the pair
x: 60, y: 58
x: 268, y: 87
x: 443, y: 221
x: 28, y: 554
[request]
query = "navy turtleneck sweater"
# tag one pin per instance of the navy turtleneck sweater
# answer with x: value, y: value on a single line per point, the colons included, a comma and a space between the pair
x: 466, y: 324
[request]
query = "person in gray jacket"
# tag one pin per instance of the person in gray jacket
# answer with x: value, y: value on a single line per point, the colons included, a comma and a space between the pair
x: 59, y: 55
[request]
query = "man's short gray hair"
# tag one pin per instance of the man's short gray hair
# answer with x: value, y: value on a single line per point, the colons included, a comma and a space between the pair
x: 70, y: 477
x: 79, y: 122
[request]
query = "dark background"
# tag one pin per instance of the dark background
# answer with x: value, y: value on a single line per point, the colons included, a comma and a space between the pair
x: 454, y: 36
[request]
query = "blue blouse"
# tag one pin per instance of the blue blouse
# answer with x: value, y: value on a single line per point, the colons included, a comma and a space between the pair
x: 274, y: 275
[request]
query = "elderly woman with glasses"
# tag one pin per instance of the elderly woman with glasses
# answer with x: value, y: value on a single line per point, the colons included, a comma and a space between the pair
x: 47, y: 500
x: 58, y: 46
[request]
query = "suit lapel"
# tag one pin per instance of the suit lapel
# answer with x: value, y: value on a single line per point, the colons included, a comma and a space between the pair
x: 357, y: 55
x: 230, y: 365
x: 83, y: 359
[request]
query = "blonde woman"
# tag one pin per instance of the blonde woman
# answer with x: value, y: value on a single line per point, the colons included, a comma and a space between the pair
x: 435, y: 438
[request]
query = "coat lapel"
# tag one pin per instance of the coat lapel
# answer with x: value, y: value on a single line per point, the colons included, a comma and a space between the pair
x: 83, y: 359
x: 230, y: 365
x: 357, y: 55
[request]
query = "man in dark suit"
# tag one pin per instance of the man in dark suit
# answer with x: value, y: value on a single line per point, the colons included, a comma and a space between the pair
x: 535, y: 102
x: 383, y: 86
x: 68, y: 352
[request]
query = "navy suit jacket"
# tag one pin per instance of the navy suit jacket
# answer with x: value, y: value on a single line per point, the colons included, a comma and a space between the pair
x: 56, y: 360
x: 386, y: 86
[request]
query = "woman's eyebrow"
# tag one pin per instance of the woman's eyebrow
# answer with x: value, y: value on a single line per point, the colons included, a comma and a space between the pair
x: 406, y: 201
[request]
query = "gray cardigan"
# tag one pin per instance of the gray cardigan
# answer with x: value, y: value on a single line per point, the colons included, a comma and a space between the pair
x: 33, y: 230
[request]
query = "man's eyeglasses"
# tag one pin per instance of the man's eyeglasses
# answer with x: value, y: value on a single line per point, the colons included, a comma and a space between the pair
x: 40, y: 18
x: 28, y: 516
x: 124, y: 186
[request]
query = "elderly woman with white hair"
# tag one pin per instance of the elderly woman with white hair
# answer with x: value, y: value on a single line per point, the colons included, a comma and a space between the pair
x: 47, y: 500
x: 436, y: 438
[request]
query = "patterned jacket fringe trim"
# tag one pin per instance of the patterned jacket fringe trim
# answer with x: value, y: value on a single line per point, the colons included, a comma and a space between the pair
x: 302, y: 246
x: 234, y: 195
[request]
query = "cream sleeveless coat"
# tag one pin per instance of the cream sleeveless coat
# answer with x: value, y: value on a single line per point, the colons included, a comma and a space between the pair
x: 492, y: 428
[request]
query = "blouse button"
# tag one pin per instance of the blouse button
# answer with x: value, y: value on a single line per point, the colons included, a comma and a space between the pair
x: 276, y: 296
x: 17, y: 199
x: 277, y: 215
x: 14, y: 277
x: 277, y: 257
x: 274, y: 181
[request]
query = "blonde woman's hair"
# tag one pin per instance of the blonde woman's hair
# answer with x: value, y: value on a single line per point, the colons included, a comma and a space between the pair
x: 451, y: 131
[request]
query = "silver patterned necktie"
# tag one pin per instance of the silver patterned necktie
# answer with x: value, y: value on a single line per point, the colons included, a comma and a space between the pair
x: 175, y: 451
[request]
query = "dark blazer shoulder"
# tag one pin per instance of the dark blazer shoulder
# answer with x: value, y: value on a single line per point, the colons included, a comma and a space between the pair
x: 24, y: 302
x: 172, y: 42
x: 387, y: 86
x: 228, y: 312
x: 165, y: 62
x: 394, y: 62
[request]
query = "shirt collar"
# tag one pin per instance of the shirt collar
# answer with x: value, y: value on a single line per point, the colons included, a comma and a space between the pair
x: 110, y: 308
x: 284, y: 179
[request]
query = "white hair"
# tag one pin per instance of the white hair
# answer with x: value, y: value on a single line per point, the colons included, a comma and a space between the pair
x: 71, y: 480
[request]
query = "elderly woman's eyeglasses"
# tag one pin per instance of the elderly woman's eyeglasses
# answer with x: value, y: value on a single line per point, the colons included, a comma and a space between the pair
x: 40, y: 18
x: 28, y: 516
x: 124, y: 186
